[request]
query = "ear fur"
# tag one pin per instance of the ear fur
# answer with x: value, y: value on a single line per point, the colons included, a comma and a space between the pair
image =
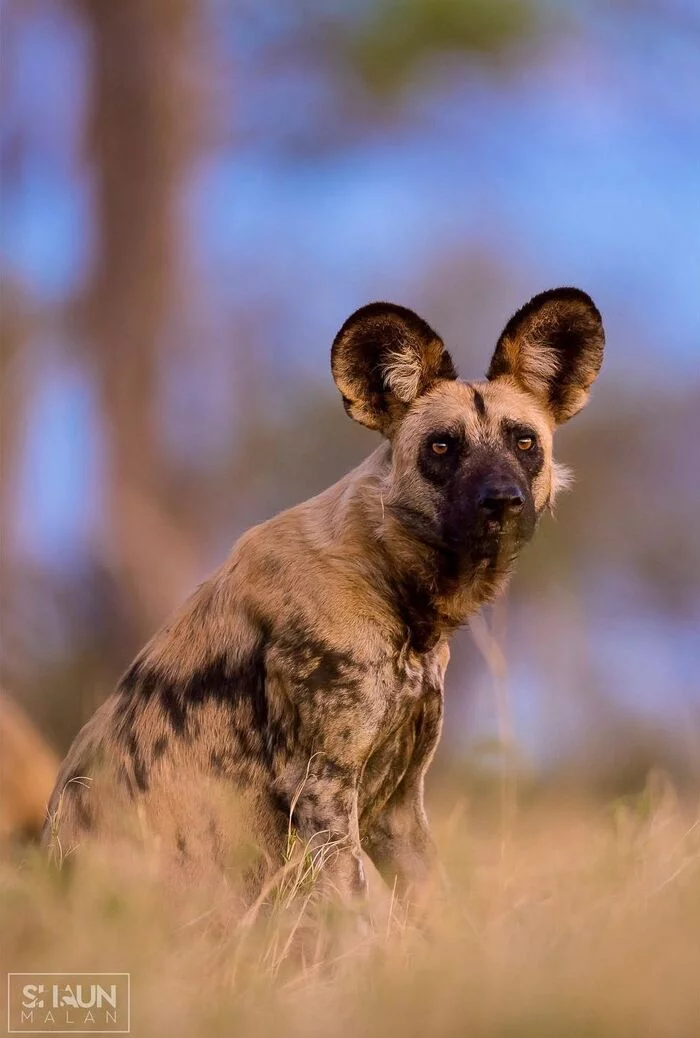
x: 553, y: 348
x: 383, y: 358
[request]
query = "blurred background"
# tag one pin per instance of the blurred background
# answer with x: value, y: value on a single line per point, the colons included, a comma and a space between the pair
x: 196, y: 193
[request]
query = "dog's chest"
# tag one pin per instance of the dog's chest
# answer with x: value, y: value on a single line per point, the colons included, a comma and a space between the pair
x: 400, y: 743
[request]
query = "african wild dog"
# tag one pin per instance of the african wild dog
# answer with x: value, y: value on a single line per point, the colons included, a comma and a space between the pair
x: 306, y: 676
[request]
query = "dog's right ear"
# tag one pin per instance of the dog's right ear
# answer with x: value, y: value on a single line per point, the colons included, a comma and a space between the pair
x: 383, y: 358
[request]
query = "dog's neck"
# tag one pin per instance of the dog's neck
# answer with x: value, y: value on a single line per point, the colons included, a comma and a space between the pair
x: 428, y: 589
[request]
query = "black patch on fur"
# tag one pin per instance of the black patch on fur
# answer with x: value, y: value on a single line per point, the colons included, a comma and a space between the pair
x: 479, y: 404
x: 280, y: 802
x: 318, y: 667
x: 138, y: 764
x: 172, y: 700
x: 181, y: 843
x: 415, y: 606
x: 238, y: 683
x: 160, y: 746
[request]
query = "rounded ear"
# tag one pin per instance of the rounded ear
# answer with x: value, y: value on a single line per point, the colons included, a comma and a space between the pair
x: 553, y: 348
x: 384, y: 357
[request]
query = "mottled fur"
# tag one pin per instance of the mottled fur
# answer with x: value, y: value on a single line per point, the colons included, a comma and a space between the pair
x: 301, y: 687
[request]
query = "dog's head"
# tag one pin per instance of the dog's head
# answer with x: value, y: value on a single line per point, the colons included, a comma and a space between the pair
x: 472, y: 466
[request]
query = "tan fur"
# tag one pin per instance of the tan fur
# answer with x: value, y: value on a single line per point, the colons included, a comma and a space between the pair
x: 408, y: 372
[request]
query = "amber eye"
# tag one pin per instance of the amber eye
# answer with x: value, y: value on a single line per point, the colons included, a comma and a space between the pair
x: 440, y: 448
x: 525, y: 443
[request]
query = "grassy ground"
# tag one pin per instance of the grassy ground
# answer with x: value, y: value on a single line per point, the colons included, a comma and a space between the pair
x: 560, y: 920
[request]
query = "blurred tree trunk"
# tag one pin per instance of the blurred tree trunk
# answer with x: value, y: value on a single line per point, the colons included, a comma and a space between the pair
x: 140, y: 142
x: 15, y: 381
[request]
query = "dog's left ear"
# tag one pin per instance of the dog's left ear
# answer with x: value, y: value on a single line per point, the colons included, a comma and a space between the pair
x: 553, y: 348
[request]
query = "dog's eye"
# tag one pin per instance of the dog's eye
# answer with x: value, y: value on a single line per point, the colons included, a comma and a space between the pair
x: 525, y: 443
x: 440, y: 447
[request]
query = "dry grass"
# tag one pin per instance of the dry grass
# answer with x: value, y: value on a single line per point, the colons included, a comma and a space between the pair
x: 561, y: 920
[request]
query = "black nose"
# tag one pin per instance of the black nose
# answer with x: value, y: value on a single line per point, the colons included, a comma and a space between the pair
x: 498, y: 500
